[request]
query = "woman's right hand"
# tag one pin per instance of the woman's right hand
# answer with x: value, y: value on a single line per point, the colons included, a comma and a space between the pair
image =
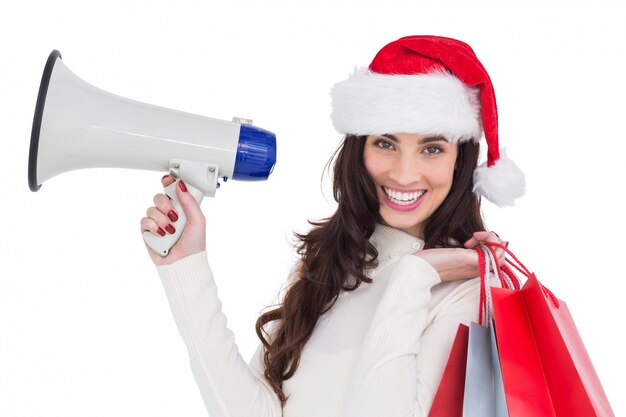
x: 458, y: 263
x: 193, y: 238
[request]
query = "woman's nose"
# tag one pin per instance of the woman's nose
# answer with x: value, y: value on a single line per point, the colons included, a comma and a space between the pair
x: 405, y: 171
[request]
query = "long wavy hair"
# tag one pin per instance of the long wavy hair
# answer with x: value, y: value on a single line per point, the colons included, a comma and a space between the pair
x: 338, y: 247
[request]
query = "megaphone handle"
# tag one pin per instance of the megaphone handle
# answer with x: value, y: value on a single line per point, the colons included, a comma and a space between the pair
x: 162, y: 244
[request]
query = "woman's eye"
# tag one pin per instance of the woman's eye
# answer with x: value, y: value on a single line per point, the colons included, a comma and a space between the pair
x: 433, y: 150
x: 383, y: 144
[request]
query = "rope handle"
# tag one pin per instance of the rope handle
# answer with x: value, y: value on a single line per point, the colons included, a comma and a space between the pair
x: 486, y: 258
x: 482, y: 303
x: 521, y: 268
x: 547, y: 292
x: 504, y: 268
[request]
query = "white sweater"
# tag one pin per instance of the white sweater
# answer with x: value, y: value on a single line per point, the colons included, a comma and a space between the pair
x: 379, y: 351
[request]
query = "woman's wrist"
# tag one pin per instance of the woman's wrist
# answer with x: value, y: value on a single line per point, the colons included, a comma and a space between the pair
x: 451, y: 263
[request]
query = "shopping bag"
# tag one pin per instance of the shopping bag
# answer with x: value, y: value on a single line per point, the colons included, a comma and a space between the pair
x: 448, y: 401
x: 462, y: 375
x: 526, y: 391
x: 500, y: 407
x: 546, y: 369
x: 484, y: 392
x: 574, y: 384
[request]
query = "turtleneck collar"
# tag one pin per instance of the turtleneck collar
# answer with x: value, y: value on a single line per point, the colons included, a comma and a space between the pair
x: 392, y: 243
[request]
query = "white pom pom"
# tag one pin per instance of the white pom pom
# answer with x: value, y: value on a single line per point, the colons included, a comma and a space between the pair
x: 502, y: 183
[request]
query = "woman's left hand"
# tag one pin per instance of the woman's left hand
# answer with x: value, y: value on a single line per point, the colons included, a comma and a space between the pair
x: 457, y: 263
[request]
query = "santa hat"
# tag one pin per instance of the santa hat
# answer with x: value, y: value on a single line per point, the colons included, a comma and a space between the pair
x: 430, y: 84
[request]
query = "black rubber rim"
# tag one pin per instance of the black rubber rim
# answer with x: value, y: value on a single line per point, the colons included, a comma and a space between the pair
x: 34, y: 135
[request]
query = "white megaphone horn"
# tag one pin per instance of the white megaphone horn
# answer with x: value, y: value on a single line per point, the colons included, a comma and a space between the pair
x: 77, y: 125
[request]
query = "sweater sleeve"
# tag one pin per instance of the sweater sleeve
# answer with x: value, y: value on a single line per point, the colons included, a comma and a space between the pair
x: 229, y: 387
x: 385, y: 377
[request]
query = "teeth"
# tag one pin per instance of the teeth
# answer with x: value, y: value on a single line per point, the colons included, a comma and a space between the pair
x: 403, y: 198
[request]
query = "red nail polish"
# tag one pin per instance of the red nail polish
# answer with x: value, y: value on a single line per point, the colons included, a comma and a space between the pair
x: 182, y: 185
x: 161, y: 232
x: 170, y: 229
x: 172, y: 215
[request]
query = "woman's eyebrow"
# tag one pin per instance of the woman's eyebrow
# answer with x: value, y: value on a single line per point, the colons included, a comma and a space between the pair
x: 433, y: 139
x: 390, y: 136
x: 422, y: 141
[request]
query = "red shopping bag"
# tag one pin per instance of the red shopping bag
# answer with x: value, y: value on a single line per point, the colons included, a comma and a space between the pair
x: 546, y: 369
x: 448, y: 400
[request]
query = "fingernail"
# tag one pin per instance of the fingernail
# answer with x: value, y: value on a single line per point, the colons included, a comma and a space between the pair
x: 161, y: 232
x: 172, y: 215
x: 165, y: 176
x: 170, y: 229
x: 182, y: 185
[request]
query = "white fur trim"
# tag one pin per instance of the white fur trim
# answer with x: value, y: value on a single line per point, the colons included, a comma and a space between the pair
x: 502, y: 183
x: 368, y: 103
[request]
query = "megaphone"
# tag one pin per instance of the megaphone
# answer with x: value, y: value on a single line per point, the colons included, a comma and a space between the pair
x: 77, y: 125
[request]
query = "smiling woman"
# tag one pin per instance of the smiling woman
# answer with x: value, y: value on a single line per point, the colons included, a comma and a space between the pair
x: 371, y: 307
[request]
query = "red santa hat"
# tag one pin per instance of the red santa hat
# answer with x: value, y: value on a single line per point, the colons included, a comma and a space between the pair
x: 430, y: 84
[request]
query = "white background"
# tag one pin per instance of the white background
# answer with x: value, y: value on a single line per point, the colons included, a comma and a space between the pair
x: 85, y: 328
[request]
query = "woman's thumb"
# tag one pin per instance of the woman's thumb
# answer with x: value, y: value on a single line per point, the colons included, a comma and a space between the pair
x: 188, y: 202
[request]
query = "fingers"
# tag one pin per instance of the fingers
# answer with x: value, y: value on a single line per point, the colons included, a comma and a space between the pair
x: 165, y: 205
x: 149, y: 225
x: 190, y: 205
x: 167, y: 180
x: 157, y: 222
x: 480, y: 237
x: 160, y: 217
x: 168, y: 216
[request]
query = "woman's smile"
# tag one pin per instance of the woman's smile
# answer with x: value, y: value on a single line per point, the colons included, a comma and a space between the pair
x: 402, y: 200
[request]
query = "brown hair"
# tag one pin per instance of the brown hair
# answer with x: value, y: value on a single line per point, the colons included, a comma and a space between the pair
x: 338, y: 247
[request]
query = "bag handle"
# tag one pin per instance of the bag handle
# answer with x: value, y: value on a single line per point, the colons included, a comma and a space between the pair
x: 521, y: 268
x: 486, y: 258
x: 482, y: 303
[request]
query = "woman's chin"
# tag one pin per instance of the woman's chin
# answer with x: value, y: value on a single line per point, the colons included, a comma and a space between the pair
x: 410, y: 226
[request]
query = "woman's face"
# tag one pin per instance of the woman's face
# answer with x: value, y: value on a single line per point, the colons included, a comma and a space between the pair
x: 413, y: 175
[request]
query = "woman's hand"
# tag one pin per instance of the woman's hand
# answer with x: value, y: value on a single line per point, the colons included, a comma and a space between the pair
x: 457, y: 263
x: 162, y: 217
